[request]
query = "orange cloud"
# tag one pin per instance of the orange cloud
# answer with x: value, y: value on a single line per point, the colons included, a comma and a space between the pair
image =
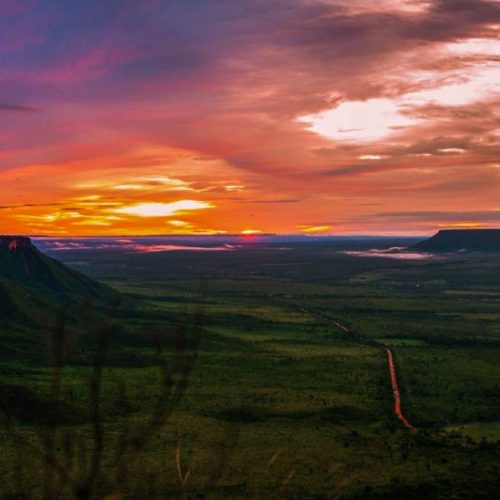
x: 315, y: 229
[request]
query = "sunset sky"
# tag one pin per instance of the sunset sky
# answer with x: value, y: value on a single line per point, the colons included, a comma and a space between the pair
x: 286, y: 116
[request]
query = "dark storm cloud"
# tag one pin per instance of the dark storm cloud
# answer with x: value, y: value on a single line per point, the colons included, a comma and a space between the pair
x: 359, y: 168
x: 4, y: 106
x: 29, y: 205
x: 287, y: 200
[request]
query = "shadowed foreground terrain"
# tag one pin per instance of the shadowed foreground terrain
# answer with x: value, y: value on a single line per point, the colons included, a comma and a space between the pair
x: 259, y: 371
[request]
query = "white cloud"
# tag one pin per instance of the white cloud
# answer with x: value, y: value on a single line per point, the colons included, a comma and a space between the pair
x: 359, y: 120
x: 477, y: 80
x: 372, y: 157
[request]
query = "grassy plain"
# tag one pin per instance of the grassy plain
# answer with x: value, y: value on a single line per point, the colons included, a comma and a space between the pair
x: 281, y: 403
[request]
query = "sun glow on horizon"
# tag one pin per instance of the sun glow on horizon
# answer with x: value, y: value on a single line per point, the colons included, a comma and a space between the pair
x: 250, y: 232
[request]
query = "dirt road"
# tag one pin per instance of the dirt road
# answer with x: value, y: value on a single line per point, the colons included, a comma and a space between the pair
x: 398, y: 411
x: 390, y: 359
x: 395, y: 389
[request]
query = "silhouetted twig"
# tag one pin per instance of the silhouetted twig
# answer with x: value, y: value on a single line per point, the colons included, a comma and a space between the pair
x: 70, y: 466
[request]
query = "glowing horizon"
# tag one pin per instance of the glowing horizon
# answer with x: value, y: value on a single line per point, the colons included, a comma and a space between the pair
x: 315, y: 117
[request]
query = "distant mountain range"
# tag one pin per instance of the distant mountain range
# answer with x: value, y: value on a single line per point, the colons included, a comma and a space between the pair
x: 462, y: 240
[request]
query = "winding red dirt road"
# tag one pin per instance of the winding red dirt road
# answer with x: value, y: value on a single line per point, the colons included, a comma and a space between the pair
x: 394, y: 381
x: 392, y: 368
x: 395, y: 389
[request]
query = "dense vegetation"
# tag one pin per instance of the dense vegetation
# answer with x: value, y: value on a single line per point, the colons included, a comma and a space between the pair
x: 276, y: 401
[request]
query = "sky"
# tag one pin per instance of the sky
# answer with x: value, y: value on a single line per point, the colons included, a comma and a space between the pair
x: 123, y: 117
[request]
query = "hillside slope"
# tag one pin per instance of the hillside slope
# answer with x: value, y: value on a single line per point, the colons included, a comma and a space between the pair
x: 24, y: 265
x: 457, y: 240
x: 34, y: 291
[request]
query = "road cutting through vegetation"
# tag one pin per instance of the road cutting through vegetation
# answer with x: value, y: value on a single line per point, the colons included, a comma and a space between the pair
x: 398, y: 410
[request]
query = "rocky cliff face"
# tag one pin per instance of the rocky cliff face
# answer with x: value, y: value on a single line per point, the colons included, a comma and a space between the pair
x: 16, y: 255
x: 15, y: 243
